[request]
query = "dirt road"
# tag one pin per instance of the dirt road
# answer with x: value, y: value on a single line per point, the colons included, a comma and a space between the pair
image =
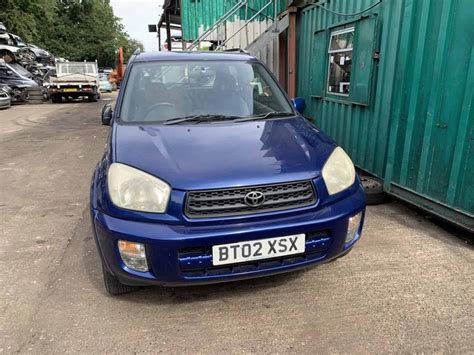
x: 407, y: 286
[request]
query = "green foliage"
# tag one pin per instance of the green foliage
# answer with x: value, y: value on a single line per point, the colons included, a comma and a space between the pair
x: 73, y: 29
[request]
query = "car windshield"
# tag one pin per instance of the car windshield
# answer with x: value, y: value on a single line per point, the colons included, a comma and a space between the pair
x: 19, y: 42
x: 163, y: 91
x: 76, y: 68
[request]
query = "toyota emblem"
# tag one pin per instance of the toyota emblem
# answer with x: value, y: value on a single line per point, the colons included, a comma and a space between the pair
x: 254, y: 198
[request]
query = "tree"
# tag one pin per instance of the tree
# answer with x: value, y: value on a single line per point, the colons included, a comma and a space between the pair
x: 129, y: 45
x: 73, y: 29
x: 28, y: 19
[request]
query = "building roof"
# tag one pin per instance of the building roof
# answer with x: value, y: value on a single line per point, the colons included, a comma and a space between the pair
x: 172, y: 7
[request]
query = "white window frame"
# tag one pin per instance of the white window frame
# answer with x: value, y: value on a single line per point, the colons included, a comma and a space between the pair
x: 331, y: 51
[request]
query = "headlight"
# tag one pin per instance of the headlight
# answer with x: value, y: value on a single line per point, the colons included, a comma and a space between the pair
x: 338, y: 171
x: 133, y: 255
x: 134, y: 189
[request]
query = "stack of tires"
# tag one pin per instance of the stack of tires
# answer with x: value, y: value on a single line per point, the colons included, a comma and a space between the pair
x: 35, y: 96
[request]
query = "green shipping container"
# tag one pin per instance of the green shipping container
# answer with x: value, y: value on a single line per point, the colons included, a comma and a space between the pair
x: 394, y: 87
x: 199, y: 15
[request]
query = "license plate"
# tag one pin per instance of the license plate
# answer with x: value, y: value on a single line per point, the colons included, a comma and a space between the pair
x: 70, y: 90
x: 258, y: 249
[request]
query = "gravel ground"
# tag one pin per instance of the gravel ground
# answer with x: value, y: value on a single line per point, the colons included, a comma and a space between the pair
x: 406, y: 287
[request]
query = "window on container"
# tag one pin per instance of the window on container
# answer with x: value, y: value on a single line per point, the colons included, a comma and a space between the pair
x: 340, y: 62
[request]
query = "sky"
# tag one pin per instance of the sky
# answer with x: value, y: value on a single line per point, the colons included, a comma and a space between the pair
x: 136, y: 15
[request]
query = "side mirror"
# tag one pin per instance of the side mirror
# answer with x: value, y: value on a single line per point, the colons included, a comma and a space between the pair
x: 107, y: 114
x: 299, y: 104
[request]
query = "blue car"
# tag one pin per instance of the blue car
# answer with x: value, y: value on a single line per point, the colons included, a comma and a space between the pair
x: 212, y: 174
x: 104, y: 84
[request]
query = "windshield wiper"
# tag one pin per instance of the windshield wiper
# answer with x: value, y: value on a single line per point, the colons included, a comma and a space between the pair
x: 264, y: 116
x: 199, y: 118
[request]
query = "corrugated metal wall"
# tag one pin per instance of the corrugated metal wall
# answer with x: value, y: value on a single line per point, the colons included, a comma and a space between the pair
x: 417, y: 131
x: 199, y: 15
x: 196, y: 14
x: 344, y: 122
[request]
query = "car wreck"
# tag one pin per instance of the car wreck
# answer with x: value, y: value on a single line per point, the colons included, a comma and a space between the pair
x: 5, y: 98
x: 25, y: 68
x: 22, y: 87
x: 14, y: 49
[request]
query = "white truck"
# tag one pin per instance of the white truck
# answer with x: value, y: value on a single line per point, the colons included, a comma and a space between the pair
x: 74, y: 80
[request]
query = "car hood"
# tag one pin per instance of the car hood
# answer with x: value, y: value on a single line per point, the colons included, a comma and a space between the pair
x: 220, y: 155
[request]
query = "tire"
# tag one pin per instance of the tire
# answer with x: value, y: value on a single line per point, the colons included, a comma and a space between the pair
x: 373, y: 189
x: 35, y: 101
x: 113, y: 286
x: 35, y: 96
x: 93, y: 98
x: 56, y: 99
x: 35, y: 92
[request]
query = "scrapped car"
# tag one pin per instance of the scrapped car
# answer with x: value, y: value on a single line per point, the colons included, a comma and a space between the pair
x: 22, y: 86
x: 212, y: 174
x: 41, y: 55
x: 5, y: 99
x: 14, y: 49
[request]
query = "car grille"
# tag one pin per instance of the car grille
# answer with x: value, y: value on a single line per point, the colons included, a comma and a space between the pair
x: 197, y: 262
x: 231, y: 202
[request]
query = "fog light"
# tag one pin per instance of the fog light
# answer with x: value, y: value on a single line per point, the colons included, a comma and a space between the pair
x: 133, y: 255
x: 353, y: 227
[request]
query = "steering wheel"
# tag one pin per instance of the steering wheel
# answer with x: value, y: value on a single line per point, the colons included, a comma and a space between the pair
x: 155, y: 106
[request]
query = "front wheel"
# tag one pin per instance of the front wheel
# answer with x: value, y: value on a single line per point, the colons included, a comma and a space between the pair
x: 113, y: 286
x: 56, y: 98
x: 93, y: 98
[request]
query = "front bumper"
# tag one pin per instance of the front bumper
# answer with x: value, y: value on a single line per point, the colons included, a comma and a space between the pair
x: 181, y: 254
